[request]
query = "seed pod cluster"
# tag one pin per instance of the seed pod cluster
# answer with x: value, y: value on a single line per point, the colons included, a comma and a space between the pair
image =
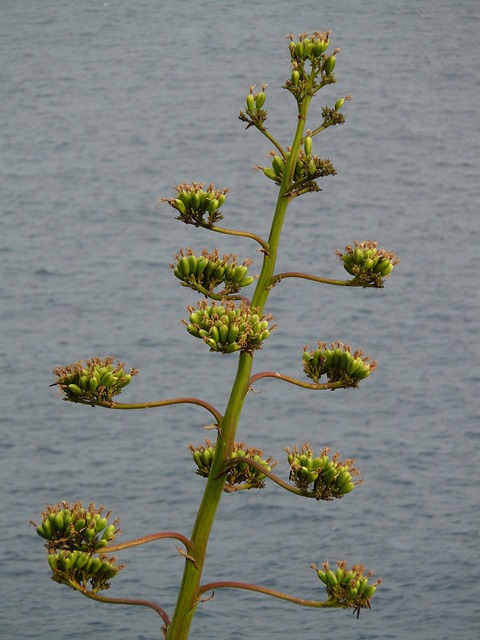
x: 208, y: 271
x: 254, y: 113
x: 228, y: 328
x: 308, y: 168
x: 196, y: 205
x: 74, y: 527
x: 309, y: 47
x: 310, y: 62
x: 338, y: 363
x: 255, y: 101
x: 73, y: 535
x: 368, y: 264
x: 83, y: 568
x: 93, y: 380
x: 347, y: 588
x: 237, y: 476
x: 323, y: 477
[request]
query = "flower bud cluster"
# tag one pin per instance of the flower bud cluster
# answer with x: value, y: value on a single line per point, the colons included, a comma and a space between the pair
x: 311, y: 49
x: 254, y: 113
x: 325, y: 477
x: 368, y: 264
x: 196, y: 205
x: 73, y: 534
x: 255, y: 101
x: 228, y: 328
x: 308, y: 168
x: 83, y: 568
x: 94, y: 380
x: 237, y: 476
x: 71, y: 526
x: 338, y: 363
x: 209, y: 270
x: 347, y: 587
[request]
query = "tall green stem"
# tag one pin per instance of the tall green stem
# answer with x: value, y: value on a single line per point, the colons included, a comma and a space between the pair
x: 265, y: 280
x: 189, y: 594
x: 189, y: 590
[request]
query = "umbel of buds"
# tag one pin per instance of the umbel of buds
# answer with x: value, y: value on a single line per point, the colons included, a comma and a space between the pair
x: 228, y: 328
x: 309, y: 58
x: 209, y: 271
x: 73, y: 534
x: 325, y: 477
x: 196, y: 205
x: 237, y: 476
x: 338, y: 363
x: 254, y: 113
x: 347, y: 587
x: 93, y: 380
x: 368, y: 264
x: 308, y: 168
x: 76, y: 568
x: 255, y: 101
x: 72, y: 526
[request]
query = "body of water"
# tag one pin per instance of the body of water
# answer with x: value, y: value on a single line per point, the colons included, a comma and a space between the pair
x: 105, y: 107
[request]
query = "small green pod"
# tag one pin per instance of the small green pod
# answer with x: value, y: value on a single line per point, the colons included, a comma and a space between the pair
x: 260, y: 99
x: 329, y: 65
x: 307, y: 145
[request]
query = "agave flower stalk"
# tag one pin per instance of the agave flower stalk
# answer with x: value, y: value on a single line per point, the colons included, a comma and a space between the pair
x: 78, y: 539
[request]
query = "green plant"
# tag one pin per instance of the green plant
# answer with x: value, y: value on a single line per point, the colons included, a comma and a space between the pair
x: 80, y: 540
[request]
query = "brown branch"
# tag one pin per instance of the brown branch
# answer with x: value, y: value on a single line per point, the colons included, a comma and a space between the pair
x: 233, y: 232
x: 150, y: 405
x: 144, y: 539
x: 306, y: 276
x: 269, y: 592
x: 340, y: 384
x: 141, y: 603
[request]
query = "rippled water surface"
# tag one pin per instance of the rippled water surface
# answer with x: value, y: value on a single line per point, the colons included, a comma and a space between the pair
x: 105, y: 107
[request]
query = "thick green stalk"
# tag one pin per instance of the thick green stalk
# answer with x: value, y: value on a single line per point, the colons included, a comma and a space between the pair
x: 189, y: 593
x: 265, y: 280
x: 189, y: 590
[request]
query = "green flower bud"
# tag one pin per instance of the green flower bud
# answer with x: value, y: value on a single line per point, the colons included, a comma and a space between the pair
x: 307, y: 145
x: 260, y: 99
x: 329, y: 65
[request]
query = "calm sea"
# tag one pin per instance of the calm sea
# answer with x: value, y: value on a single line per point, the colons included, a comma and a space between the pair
x: 105, y: 107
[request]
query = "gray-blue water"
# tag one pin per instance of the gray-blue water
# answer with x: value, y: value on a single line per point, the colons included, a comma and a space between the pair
x: 105, y: 107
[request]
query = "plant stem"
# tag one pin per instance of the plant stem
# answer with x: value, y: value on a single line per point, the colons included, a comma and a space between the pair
x: 152, y: 405
x: 189, y: 594
x: 340, y: 384
x: 233, y: 232
x: 139, y: 603
x: 189, y: 590
x: 306, y: 276
x: 153, y: 536
x: 227, y: 584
